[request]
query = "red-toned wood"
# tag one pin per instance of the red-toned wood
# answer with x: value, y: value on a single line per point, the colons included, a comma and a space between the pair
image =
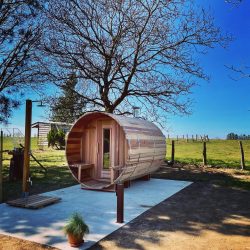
x: 138, y: 147
x: 127, y: 184
x: 145, y: 177
x: 120, y: 202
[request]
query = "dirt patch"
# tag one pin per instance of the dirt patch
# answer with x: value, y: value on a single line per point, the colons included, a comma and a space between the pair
x: 12, y: 243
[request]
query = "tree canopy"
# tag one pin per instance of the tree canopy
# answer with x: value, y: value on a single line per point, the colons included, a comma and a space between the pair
x: 18, y: 36
x: 68, y: 106
x: 128, y: 53
x: 123, y: 53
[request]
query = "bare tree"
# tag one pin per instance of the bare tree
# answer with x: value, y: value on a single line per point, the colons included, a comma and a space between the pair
x: 234, y: 2
x: 128, y: 52
x: 239, y: 72
x: 18, y: 35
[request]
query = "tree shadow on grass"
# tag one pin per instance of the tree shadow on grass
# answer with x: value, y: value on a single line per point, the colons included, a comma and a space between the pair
x: 197, y: 173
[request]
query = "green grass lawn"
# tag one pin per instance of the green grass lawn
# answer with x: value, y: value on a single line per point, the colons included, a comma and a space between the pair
x: 58, y: 174
x: 221, y: 153
x: 9, y: 143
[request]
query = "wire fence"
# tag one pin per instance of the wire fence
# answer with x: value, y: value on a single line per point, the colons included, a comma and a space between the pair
x: 220, y: 153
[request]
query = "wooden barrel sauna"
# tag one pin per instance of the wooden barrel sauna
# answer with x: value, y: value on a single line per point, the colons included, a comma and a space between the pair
x: 103, y: 149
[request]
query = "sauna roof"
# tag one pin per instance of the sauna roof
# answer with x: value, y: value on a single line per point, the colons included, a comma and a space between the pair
x: 128, y: 124
x: 37, y: 124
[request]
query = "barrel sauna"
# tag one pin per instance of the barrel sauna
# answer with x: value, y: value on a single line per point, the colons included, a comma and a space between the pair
x: 104, y: 149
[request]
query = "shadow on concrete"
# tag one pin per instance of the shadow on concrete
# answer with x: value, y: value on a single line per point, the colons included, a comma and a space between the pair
x: 35, y: 222
x: 201, y: 206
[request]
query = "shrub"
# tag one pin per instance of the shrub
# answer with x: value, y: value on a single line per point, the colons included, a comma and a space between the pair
x: 61, y: 138
x: 52, y: 138
x: 56, y: 138
x: 76, y: 226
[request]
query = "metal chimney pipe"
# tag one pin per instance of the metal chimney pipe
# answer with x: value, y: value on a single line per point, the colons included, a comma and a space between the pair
x: 136, y: 111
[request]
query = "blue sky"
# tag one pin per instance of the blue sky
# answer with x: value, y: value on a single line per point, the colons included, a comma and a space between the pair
x: 221, y: 105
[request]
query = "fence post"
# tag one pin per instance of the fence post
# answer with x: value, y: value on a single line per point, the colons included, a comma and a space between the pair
x: 172, y: 152
x: 242, y: 156
x: 1, y: 167
x: 204, y: 153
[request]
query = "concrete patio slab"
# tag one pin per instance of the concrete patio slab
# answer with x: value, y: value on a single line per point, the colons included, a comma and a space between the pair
x: 98, y: 209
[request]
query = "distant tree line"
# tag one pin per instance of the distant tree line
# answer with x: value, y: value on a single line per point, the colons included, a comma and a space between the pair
x: 233, y: 136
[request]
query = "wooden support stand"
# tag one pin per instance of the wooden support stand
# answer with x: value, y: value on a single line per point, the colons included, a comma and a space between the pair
x: 127, y: 184
x: 120, y: 202
x: 26, y: 164
x: 145, y: 177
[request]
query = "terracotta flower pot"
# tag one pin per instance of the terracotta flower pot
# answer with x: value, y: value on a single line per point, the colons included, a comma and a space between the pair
x: 75, y: 241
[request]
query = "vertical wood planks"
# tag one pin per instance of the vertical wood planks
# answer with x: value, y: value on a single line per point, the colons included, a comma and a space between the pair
x: 129, y: 136
x: 26, y: 165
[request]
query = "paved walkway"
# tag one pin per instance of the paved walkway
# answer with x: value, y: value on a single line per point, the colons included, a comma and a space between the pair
x: 98, y: 209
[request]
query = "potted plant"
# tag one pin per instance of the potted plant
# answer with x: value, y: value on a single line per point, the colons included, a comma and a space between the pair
x: 76, y: 228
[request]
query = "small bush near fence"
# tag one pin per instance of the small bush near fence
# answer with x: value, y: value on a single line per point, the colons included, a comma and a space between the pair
x: 221, y: 153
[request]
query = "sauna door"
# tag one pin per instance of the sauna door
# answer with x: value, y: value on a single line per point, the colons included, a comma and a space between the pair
x: 105, y: 154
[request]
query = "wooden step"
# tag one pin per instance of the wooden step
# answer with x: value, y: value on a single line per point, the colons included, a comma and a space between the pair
x: 34, y: 201
x: 100, y: 185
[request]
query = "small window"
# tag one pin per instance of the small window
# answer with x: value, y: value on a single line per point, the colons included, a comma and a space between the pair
x: 106, y: 148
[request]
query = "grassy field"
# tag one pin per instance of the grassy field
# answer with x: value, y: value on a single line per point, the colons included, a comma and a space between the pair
x: 58, y: 174
x: 220, y: 153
